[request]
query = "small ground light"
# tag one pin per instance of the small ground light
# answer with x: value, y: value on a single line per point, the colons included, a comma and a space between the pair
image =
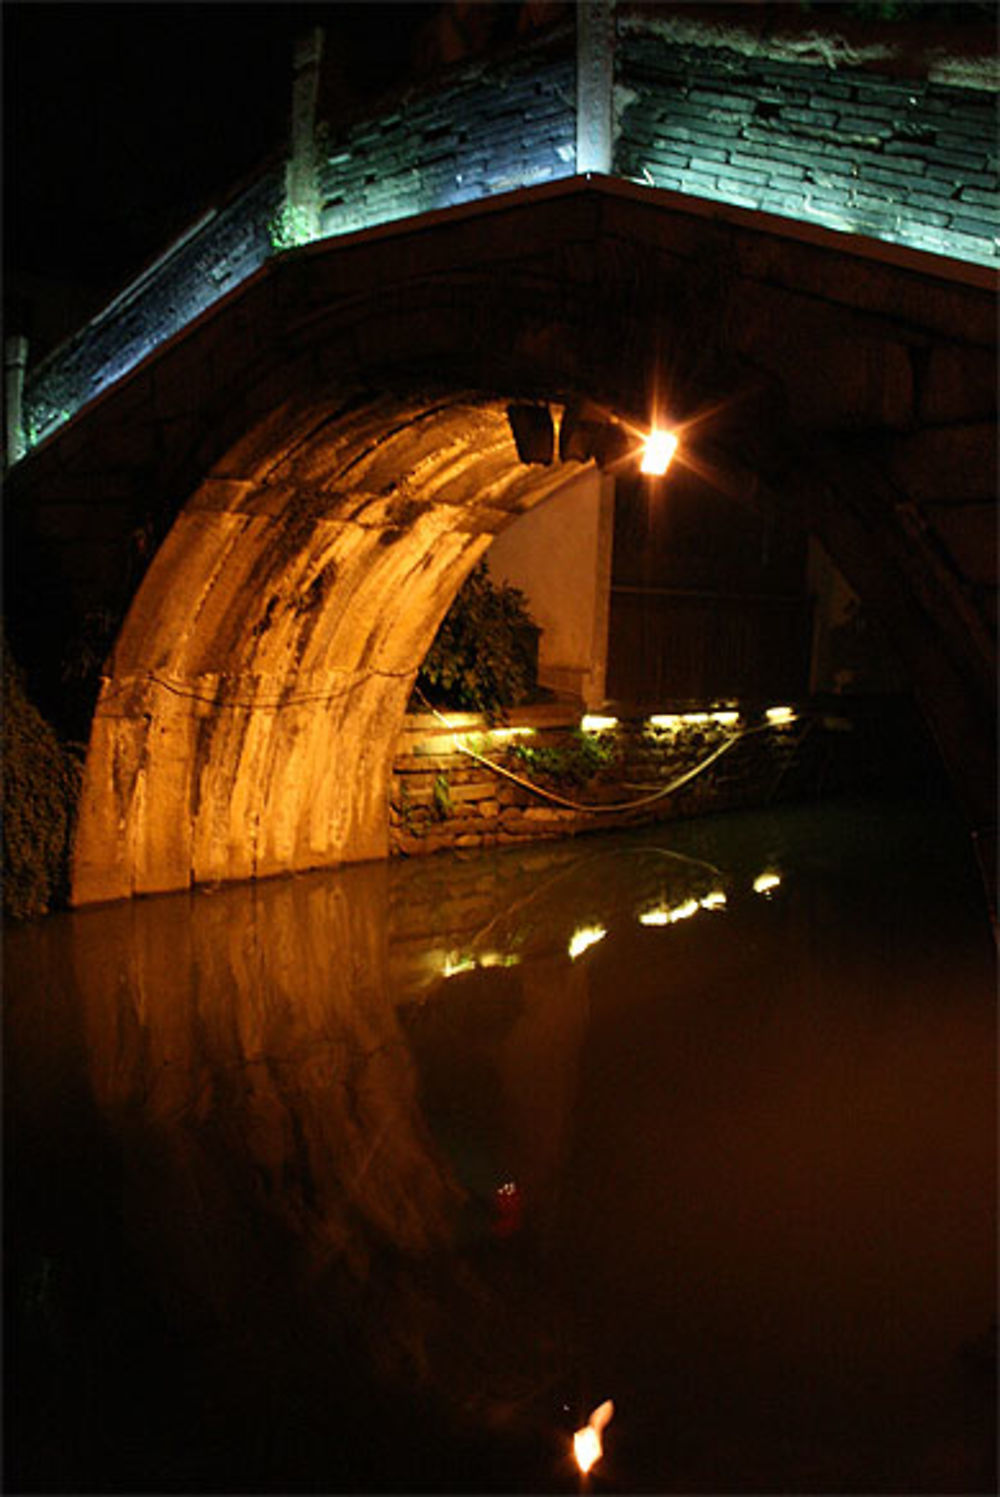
x: 657, y: 453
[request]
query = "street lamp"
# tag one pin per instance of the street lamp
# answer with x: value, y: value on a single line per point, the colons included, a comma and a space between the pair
x: 657, y: 453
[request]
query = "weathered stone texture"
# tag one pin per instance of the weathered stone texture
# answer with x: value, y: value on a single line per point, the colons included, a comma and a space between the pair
x: 321, y: 491
x: 202, y: 267
x: 909, y: 161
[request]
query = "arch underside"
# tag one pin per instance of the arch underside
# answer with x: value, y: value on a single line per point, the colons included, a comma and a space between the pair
x: 248, y: 715
x: 352, y: 459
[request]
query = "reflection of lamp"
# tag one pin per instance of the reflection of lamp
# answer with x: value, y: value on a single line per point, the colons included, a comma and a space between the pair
x: 584, y: 938
x: 533, y: 432
x: 588, y: 1446
x: 658, y: 452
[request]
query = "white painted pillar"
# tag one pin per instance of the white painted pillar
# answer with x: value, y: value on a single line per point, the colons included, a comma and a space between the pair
x: 15, y: 359
x: 595, y: 80
x: 302, y: 201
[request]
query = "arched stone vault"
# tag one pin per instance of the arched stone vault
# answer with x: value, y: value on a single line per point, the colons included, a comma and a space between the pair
x: 323, y: 457
x: 250, y: 707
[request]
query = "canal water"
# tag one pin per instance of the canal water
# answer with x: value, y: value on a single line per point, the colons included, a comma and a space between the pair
x: 381, y: 1180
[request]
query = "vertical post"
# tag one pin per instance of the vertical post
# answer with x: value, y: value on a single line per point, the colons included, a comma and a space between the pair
x: 301, y: 222
x: 15, y: 359
x: 595, y: 81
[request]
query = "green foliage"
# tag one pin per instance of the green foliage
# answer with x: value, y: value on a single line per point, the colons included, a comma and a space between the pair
x: 291, y: 226
x: 442, y: 798
x: 483, y: 658
x: 572, y: 762
x: 41, y: 787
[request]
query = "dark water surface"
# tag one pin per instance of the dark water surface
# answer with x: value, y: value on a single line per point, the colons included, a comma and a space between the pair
x: 363, y: 1181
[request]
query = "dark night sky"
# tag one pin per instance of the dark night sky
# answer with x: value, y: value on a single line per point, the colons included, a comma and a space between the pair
x: 122, y: 122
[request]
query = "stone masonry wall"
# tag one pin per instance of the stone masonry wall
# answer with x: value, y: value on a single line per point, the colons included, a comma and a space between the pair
x: 443, y: 800
x: 219, y: 252
x: 906, y: 160
x: 485, y: 128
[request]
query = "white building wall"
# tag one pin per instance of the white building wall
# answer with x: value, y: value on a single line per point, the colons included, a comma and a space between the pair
x: 559, y: 555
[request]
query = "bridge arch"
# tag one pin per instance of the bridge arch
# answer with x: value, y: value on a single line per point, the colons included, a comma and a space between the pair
x: 250, y: 706
x: 325, y: 454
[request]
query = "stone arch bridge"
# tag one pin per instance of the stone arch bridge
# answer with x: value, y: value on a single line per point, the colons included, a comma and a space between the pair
x: 270, y: 515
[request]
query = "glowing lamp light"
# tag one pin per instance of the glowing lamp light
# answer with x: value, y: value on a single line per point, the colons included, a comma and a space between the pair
x: 714, y: 901
x: 658, y: 452
x: 726, y: 718
x: 780, y: 714
x: 594, y: 723
x: 664, y: 720
x: 588, y: 1446
x: 584, y: 938
x: 765, y: 882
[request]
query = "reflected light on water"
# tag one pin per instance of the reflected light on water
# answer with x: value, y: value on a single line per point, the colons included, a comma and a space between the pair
x: 585, y: 937
x: 455, y: 962
x: 670, y: 914
x: 588, y: 1446
x: 293, y: 1212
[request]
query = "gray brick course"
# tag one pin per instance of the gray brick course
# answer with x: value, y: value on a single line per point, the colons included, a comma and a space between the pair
x: 886, y: 156
x: 907, y: 160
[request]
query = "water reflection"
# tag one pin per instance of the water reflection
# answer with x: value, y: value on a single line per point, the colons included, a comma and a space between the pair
x: 383, y: 1179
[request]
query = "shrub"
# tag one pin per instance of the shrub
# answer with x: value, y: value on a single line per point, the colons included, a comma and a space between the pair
x: 41, y: 786
x: 485, y: 654
x: 572, y: 762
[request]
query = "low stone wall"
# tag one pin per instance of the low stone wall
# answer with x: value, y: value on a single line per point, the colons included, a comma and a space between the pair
x: 443, y: 798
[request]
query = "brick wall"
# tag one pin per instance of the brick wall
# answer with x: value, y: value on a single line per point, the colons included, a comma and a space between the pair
x: 905, y: 160
x: 912, y: 161
x: 482, y: 130
x: 214, y: 256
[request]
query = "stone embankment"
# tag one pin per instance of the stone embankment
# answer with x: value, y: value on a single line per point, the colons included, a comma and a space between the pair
x: 554, y: 778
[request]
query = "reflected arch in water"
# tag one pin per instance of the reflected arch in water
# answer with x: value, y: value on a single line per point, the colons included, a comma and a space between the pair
x: 285, y: 1181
